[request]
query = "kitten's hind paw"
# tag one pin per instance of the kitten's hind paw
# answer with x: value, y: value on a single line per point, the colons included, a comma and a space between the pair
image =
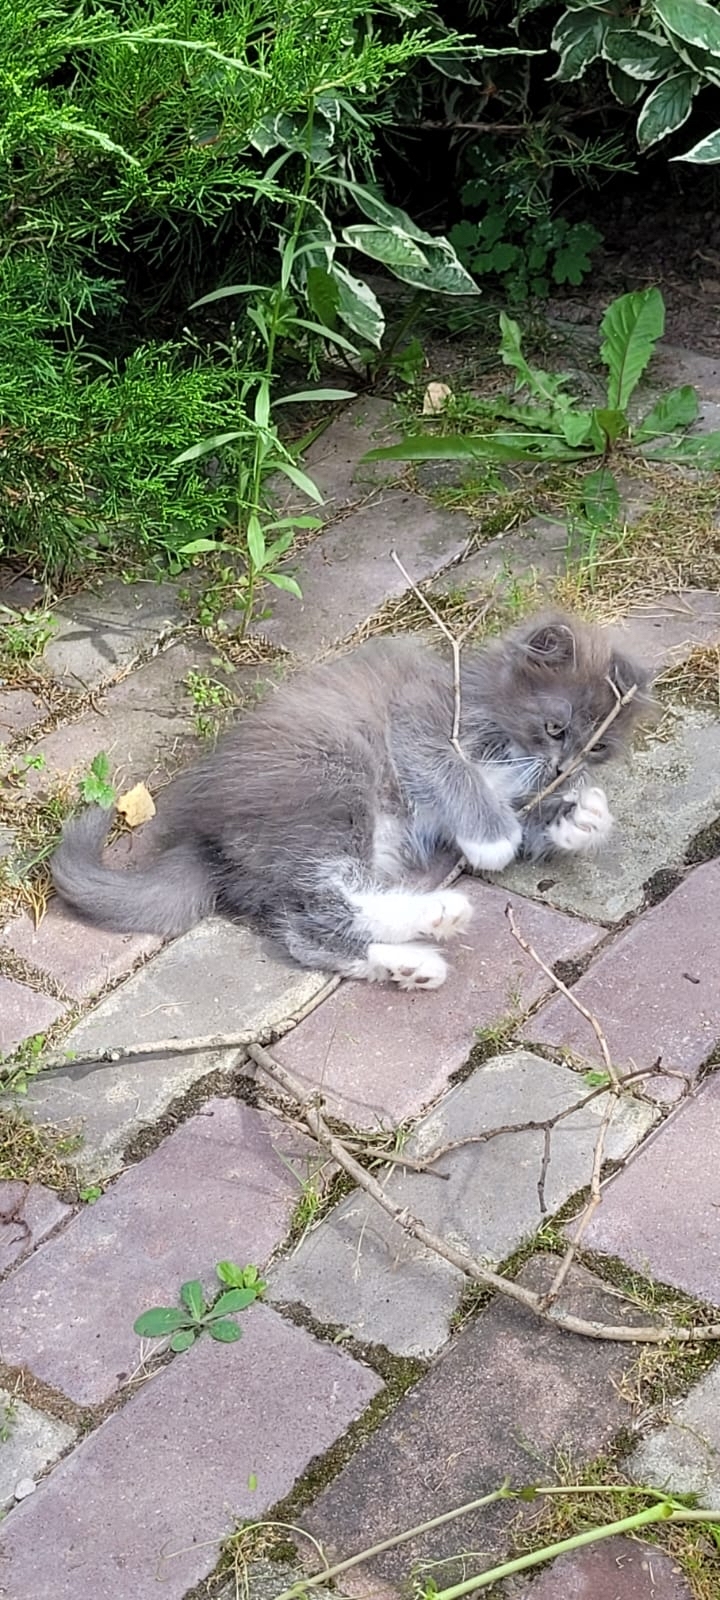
x: 586, y: 826
x: 410, y: 966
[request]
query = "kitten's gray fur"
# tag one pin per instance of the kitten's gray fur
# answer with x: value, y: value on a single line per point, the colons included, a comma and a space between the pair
x: 324, y: 796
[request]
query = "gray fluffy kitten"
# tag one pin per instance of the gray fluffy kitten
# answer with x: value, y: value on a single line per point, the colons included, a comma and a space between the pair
x: 313, y: 810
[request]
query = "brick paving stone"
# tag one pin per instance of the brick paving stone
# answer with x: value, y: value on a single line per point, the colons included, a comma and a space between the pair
x: 32, y: 1442
x: 176, y: 1465
x: 143, y: 725
x: 80, y: 958
x: 667, y: 791
x: 617, y: 1569
x: 28, y: 1213
x: 357, y: 1270
x: 334, y: 460
x: 503, y: 1399
x: 23, y: 1012
x: 684, y: 1455
x: 676, y: 1176
x: 382, y: 1055
x: 346, y: 574
x: 18, y: 711
x: 655, y: 989
x: 99, y: 634
x: 216, y: 1189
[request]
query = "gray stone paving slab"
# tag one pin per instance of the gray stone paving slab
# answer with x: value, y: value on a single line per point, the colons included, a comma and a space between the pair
x: 28, y: 1213
x: 617, y: 1569
x: 684, y: 1455
x: 668, y: 790
x: 99, y: 635
x: 24, y: 1012
x: 664, y: 631
x: 346, y: 574
x: 80, y: 958
x: 214, y: 1190
x: 334, y: 460
x: 381, y: 1056
x: 537, y: 547
x: 661, y: 1214
x: 655, y: 989
x: 504, y: 1398
x: 18, y: 711
x: 32, y: 1442
x: 176, y: 1466
x: 143, y: 725
x: 265, y: 1580
x: 217, y: 979
x: 359, y: 1271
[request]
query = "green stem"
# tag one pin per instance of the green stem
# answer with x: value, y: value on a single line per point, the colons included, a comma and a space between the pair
x: 259, y: 451
x: 405, y: 323
x: 303, y: 1584
x: 662, y: 1512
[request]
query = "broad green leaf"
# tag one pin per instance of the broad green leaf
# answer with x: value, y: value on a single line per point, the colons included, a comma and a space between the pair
x: 578, y: 39
x: 281, y: 581
x: 207, y: 446
x: 451, y: 447
x: 611, y: 422
x: 702, y: 451
x: 631, y: 327
x: 625, y: 89
x: 331, y: 334
x: 262, y: 405
x: 667, y: 107
x: 575, y: 427
x: 389, y: 245
x: 201, y: 547
x: 183, y: 1340
x: 323, y: 294
x: 543, y: 384
x: 315, y: 394
x: 234, y: 1300
x: 301, y: 481
x: 252, y: 1481
x: 707, y: 149
x: 692, y: 20
x: 444, y: 273
x: 192, y: 1296
x: 158, y: 1322
x: 358, y: 307
x: 225, y: 1332
x: 278, y: 548
x: 601, y: 498
x: 231, y: 288
x: 387, y: 217
x: 231, y: 1274
x: 640, y: 55
x: 677, y: 409
x: 255, y: 541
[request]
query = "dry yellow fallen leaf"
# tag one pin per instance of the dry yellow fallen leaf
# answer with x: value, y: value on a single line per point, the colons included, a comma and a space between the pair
x: 136, y: 806
x: 435, y: 398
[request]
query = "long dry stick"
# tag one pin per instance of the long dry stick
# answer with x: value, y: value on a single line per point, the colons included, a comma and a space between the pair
x: 461, y: 1259
x: 455, y: 641
x: 563, y: 989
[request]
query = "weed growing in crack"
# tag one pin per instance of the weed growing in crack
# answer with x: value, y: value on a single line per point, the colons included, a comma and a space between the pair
x: 242, y: 1285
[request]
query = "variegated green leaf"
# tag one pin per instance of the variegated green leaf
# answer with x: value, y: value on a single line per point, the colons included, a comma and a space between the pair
x: 667, y: 107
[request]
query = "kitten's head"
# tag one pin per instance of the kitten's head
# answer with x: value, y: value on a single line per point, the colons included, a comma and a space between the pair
x: 558, y: 680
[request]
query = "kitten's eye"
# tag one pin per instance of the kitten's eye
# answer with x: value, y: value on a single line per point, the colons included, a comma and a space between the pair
x: 556, y: 730
x: 599, y: 748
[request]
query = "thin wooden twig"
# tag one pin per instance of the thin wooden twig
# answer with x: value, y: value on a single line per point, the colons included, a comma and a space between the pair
x: 455, y: 642
x: 461, y: 1259
x: 558, y: 984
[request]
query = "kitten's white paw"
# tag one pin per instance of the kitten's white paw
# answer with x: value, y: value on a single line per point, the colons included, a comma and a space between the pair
x: 587, y: 826
x: 491, y: 855
x: 410, y: 966
x: 448, y: 913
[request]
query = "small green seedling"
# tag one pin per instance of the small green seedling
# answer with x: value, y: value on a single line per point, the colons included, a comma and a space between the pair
x: 244, y: 1285
x: 90, y: 1194
x: 96, y: 788
x: 596, y: 1080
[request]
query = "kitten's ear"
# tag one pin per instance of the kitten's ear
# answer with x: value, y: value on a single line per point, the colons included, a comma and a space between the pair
x: 623, y: 673
x: 549, y: 642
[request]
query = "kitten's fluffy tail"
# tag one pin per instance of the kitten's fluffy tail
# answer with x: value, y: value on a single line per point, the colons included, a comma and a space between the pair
x: 168, y: 896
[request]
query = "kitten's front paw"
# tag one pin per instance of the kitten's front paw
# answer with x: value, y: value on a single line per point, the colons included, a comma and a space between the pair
x: 586, y: 827
x: 410, y: 966
x: 491, y: 855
